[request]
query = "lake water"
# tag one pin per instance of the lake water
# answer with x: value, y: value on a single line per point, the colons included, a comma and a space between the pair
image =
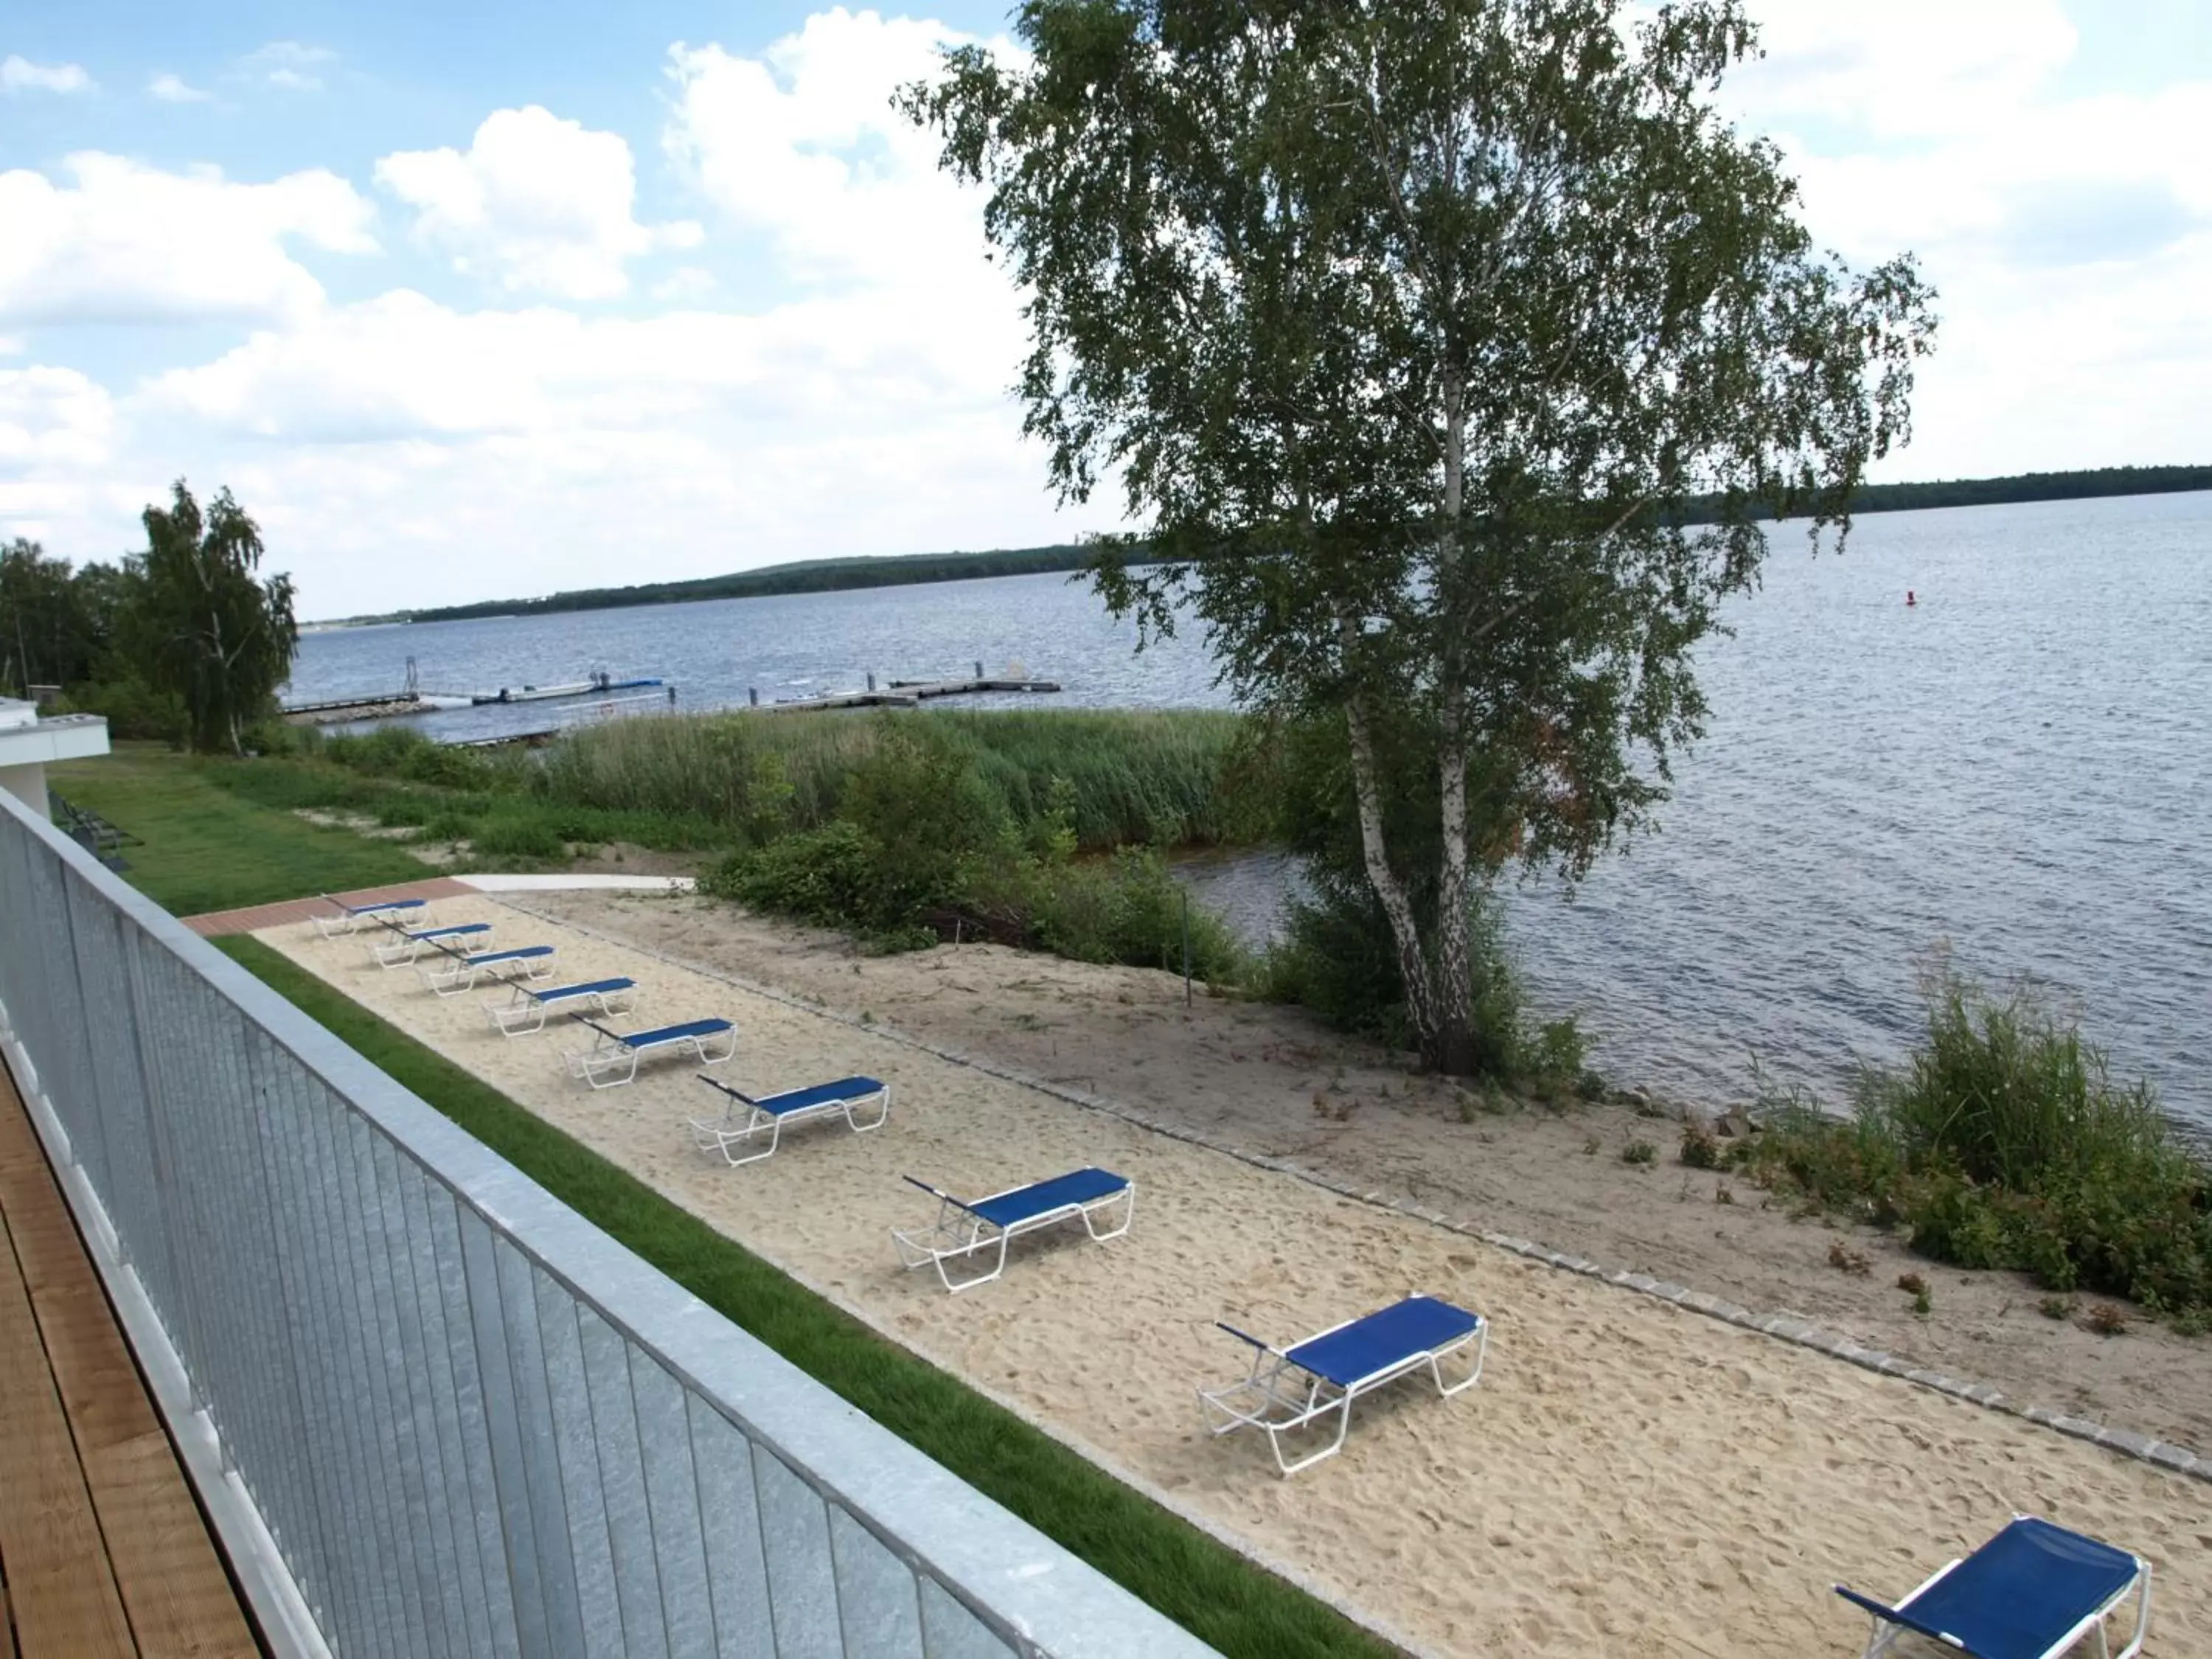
x: 2019, y: 765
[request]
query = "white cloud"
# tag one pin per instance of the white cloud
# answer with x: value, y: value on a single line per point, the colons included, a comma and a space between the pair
x: 800, y: 145
x: 21, y: 74
x: 128, y: 243
x: 172, y: 90
x: 1902, y: 67
x: 2070, y: 235
x: 426, y: 453
x: 288, y: 65
x: 57, y: 431
x: 685, y: 285
x: 537, y: 204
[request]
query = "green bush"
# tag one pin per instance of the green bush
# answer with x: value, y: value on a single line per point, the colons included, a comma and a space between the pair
x: 826, y: 876
x: 133, y: 709
x: 517, y: 838
x: 2004, y: 1143
x: 1129, y: 909
x: 1338, y: 959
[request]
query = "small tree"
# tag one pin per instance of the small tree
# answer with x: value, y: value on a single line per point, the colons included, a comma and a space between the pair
x: 1418, y: 333
x: 212, y: 632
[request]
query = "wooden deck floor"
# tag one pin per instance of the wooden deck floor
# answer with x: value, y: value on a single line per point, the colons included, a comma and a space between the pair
x: 102, y: 1548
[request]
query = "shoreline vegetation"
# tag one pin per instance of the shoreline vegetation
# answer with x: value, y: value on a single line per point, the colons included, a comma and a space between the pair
x: 2003, y: 1145
x: 843, y: 574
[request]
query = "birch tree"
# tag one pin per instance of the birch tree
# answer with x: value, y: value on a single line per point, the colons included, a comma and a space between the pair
x: 1446, y: 353
x: 211, y: 629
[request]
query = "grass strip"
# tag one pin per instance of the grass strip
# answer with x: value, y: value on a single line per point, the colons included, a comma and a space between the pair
x: 206, y: 849
x: 1202, y: 1584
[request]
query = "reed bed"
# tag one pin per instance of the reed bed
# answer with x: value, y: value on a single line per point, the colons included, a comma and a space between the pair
x: 1152, y: 778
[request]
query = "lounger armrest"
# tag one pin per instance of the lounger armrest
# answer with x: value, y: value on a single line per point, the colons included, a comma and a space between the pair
x: 1246, y: 1336
x: 1893, y: 1616
x: 717, y: 1083
x: 937, y: 1192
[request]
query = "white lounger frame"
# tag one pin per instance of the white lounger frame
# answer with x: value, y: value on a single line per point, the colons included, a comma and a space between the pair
x: 729, y: 1133
x: 459, y: 974
x: 1887, y: 1635
x: 524, y: 1015
x: 959, y: 1234
x: 404, y: 948
x: 355, y: 917
x: 1283, y: 1398
x: 612, y: 1052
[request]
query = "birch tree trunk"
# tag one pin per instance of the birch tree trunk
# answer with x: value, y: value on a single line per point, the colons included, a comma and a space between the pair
x: 1450, y: 1040
x: 1390, y: 889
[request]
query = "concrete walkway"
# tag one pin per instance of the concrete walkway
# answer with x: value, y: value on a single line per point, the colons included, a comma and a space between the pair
x: 216, y: 923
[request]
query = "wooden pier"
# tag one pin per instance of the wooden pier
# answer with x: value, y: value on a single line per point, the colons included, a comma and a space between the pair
x: 339, y: 710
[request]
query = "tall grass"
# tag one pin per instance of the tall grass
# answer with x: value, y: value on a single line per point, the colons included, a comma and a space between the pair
x: 1135, y: 778
x: 2004, y: 1142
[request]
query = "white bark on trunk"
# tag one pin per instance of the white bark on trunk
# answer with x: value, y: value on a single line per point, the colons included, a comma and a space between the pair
x: 1397, y: 904
x: 1450, y: 1041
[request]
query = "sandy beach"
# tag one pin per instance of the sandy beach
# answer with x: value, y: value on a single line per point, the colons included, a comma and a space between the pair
x: 1629, y: 1478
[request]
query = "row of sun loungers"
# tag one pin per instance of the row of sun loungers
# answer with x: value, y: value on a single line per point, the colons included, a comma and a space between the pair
x: 2031, y: 1592
x: 443, y: 958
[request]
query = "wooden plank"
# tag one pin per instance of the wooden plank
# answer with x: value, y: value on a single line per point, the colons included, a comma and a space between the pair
x: 60, y: 1588
x: 171, y: 1579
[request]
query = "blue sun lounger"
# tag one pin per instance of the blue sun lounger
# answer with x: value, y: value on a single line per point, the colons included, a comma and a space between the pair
x: 524, y: 1012
x: 2031, y: 1592
x: 737, y: 1131
x: 456, y: 974
x: 351, y: 918
x: 402, y: 947
x: 1291, y: 1389
x: 965, y: 1230
x: 619, y: 1052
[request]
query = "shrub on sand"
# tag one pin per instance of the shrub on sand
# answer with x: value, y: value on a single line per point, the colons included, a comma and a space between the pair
x: 2004, y: 1142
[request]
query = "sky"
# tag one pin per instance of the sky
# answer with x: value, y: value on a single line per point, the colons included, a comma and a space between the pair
x: 482, y: 300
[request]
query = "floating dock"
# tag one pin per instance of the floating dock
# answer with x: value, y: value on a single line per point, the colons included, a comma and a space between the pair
x: 899, y: 694
x: 592, y: 688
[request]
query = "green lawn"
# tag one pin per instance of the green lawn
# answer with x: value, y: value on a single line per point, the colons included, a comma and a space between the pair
x: 208, y: 848
x: 1201, y: 1584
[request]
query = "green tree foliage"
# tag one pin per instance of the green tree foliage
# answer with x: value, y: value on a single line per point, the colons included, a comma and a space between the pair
x: 1410, y: 329
x: 52, y: 623
x: 212, y: 631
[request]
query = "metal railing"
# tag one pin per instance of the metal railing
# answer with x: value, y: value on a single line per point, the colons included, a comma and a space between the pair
x: 433, y: 1411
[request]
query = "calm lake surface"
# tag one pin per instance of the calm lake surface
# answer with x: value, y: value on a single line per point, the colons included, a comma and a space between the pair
x: 2020, y: 766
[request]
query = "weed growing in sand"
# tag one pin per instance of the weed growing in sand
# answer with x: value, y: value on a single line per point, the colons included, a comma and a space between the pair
x: 2004, y: 1143
x: 1701, y: 1149
x: 1723, y: 1193
x: 1639, y: 1152
x: 2106, y: 1319
x: 1846, y: 1260
x: 1590, y: 1145
x: 2055, y: 1307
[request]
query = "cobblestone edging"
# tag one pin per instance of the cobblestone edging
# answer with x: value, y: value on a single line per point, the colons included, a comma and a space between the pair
x: 2178, y: 1459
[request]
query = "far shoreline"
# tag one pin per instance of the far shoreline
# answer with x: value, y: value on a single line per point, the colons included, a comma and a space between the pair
x: 862, y: 571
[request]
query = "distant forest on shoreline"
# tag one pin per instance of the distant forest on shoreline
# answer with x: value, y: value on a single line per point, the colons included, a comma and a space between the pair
x: 827, y: 576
